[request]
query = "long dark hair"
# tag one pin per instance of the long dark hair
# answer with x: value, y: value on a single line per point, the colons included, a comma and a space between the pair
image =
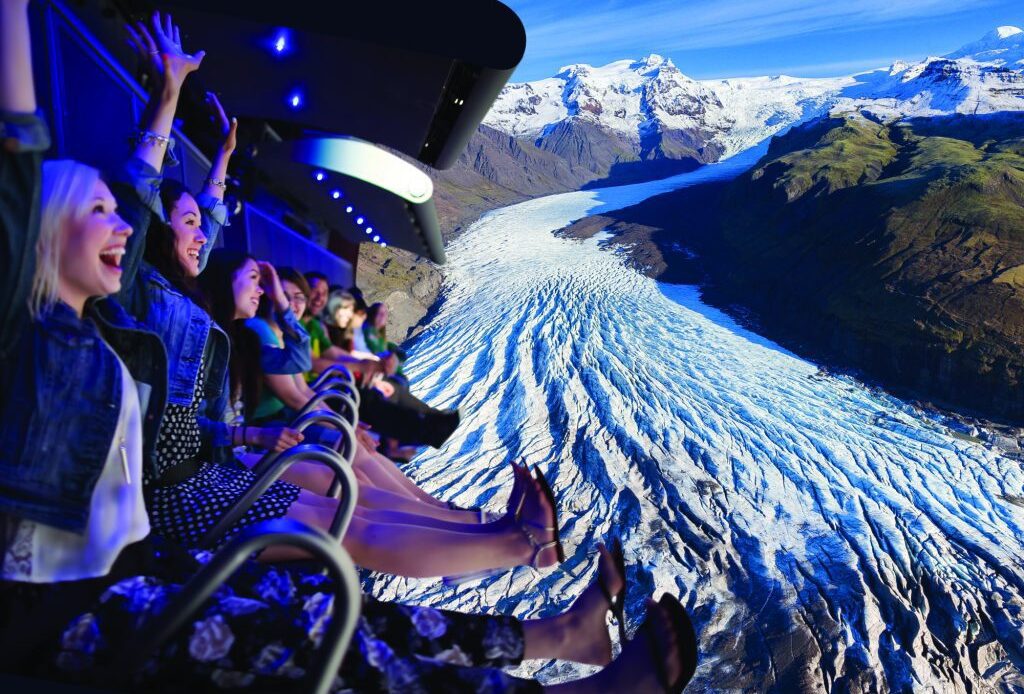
x: 160, y: 251
x: 246, y: 371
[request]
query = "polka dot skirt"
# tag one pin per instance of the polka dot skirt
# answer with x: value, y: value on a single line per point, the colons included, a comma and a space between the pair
x: 186, y: 511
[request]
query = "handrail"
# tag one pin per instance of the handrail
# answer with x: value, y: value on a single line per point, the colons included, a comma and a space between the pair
x: 334, y: 419
x: 270, y: 469
x: 344, y: 386
x: 347, y: 598
x: 335, y: 395
x: 336, y: 371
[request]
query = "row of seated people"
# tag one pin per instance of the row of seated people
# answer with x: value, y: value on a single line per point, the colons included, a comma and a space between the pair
x: 138, y: 377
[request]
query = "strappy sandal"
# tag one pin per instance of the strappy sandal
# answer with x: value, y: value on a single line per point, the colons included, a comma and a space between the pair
x: 525, y: 526
x: 516, y: 500
x: 617, y: 602
x: 686, y: 644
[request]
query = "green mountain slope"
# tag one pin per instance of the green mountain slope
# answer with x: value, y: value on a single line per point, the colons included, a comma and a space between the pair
x: 898, y: 249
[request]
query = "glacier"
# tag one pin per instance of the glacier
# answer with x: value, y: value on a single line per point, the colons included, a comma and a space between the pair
x: 824, y: 536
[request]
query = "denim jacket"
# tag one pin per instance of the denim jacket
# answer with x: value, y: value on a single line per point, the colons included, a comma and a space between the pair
x: 186, y: 329
x: 60, y: 385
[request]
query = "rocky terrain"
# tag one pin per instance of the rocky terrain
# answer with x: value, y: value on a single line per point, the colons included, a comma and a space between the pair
x: 895, y: 250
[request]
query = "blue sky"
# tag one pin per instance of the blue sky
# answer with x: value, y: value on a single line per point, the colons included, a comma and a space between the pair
x: 731, y: 38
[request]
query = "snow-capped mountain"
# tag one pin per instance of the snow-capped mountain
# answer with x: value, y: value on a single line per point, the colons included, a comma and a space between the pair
x: 1003, y: 46
x: 651, y: 110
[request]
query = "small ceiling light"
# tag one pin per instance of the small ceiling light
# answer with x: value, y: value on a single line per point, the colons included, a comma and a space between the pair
x: 335, y: 194
x: 359, y: 220
x: 280, y: 44
x: 383, y: 245
x: 319, y: 175
x: 349, y: 209
x: 376, y: 239
x: 295, y: 100
x: 369, y: 230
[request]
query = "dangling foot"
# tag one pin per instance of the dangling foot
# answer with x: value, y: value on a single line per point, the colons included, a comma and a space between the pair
x: 662, y: 657
x: 537, y: 518
x: 586, y: 635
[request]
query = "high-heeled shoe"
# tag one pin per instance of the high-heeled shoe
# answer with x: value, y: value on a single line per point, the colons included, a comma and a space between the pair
x: 515, y: 506
x: 617, y: 602
x: 525, y: 526
x: 686, y: 644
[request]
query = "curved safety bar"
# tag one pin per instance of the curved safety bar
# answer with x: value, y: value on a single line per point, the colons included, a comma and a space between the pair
x: 333, y: 371
x: 183, y: 608
x: 270, y: 469
x: 331, y: 418
x: 343, y: 386
x: 325, y: 396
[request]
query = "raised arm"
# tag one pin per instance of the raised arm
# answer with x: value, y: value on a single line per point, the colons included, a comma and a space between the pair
x: 23, y: 138
x: 211, y: 198
x: 171, y: 65
x: 294, y: 357
x: 137, y: 184
x: 17, y: 88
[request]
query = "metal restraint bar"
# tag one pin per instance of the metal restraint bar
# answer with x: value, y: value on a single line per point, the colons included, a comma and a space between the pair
x: 274, y: 467
x: 347, y: 599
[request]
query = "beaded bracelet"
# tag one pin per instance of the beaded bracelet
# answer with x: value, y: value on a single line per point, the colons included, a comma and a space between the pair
x: 217, y: 182
x: 147, y: 137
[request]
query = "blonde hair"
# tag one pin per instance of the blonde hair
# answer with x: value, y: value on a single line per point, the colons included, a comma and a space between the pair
x: 67, y: 193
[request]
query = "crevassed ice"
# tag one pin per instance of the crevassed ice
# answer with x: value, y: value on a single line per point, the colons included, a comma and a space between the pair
x: 823, y: 536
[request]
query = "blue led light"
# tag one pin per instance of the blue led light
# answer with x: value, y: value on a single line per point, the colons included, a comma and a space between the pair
x: 319, y: 175
x: 376, y: 239
x: 383, y: 245
x: 349, y: 209
x: 295, y: 99
x: 335, y: 194
x: 359, y: 220
x: 367, y: 231
x: 280, y: 42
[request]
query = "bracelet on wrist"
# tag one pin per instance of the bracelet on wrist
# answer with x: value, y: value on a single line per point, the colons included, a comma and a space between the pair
x: 217, y: 182
x: 150, y: 138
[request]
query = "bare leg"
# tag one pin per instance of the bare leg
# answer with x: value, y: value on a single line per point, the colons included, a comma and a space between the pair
x: 387, y: 475
x: 581, y: 633
x: 371, y: 498
x: 421, y: 552
x: 635, y: 670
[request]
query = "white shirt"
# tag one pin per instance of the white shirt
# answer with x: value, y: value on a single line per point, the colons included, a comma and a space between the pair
x: 39, y: 553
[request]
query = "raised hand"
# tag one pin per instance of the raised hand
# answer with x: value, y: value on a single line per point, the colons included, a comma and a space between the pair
x: 272, y: 285
x: 228, y: 127
x: 161, y: 51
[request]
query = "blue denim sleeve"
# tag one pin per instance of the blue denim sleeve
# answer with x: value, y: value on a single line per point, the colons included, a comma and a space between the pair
x: 23, y: 138
x: 295, y: 357
x: 214, y: 215
x: 213, y: 419
x: 136, y: 186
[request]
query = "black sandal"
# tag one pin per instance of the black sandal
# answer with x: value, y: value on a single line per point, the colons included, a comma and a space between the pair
x: 557, y: 542
x: 686, y: 644
x: 617, y: 602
